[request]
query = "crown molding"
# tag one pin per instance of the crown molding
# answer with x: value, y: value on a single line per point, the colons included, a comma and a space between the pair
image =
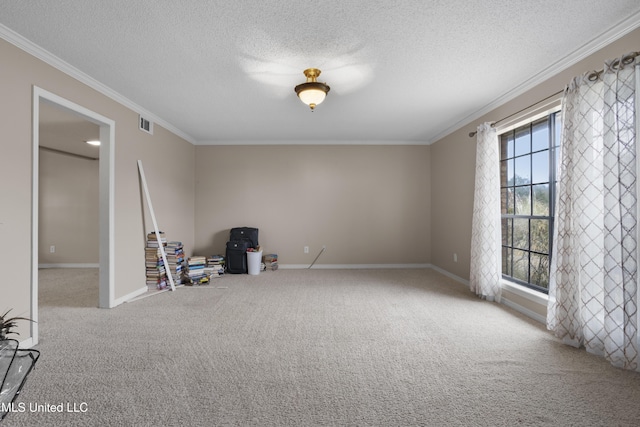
x: 589, y: 48
x: 311, y: 142
x: 624, y: 27
x: 34, y: 50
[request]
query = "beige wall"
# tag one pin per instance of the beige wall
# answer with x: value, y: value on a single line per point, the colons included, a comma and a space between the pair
x: 367, y: 204
x: 453, y: 165
x: 172, y: 189
x: 68, y: 209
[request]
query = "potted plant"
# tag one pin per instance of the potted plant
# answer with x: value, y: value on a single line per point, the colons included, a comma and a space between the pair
x: 15, y: 363
x: 7, y: 324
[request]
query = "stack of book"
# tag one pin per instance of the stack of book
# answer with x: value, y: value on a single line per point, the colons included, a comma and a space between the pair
x: 156, y: 272
x: 215, y: 266
x: 175, y: 260
x: 152, y: 240
x: 271, y: 261
x: 196, y: 274
x: 210, y: 273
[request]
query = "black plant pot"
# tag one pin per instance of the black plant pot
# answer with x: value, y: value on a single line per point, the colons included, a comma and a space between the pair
x: 15, y: 366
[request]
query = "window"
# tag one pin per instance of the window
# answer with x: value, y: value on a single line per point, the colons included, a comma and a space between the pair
x: 528, y: 158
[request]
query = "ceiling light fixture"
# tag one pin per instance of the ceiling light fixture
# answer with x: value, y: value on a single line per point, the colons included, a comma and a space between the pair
x: 93, y: 142
x: 312, y: 92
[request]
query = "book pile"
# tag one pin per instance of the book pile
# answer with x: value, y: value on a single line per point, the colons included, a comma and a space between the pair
x: 175, y: 259
x: 156, y: 272
x: 196, y: 274
x: 152, y: 240
x: 215, y: 266
x: 271, y: 261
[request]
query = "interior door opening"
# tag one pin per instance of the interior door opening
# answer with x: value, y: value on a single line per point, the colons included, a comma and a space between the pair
x: 105, y: 129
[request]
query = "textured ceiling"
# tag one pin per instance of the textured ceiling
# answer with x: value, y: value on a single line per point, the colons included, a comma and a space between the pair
x: 399, y: 71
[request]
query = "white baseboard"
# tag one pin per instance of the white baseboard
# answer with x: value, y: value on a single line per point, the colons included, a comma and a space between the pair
x: 522, y: 310
x: 450, y: 275
x: 70, y: 265
x: 350, y: 266
x: 524, y: 292
x: 130, y: 296
x: 534, y: 297
x: 28, y: 343
x: 149, y: 294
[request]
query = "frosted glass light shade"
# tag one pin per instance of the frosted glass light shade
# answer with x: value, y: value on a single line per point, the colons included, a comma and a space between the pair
x: 312, y: 96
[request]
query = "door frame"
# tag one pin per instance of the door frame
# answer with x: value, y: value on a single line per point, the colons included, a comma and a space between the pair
x: 106, y: 298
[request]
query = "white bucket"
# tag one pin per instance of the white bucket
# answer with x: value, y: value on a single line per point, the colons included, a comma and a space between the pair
x: 253, y: 262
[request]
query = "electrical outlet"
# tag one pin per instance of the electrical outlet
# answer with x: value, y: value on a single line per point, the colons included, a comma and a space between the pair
x: 455, y: 257
x: 306, y: 249
x: 52, y: 249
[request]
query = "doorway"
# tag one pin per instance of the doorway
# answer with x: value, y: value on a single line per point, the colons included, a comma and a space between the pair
x: 106, y: 131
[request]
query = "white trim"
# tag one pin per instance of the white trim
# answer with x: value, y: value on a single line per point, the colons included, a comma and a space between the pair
x: 106, y: 199
x: 530, y: 115
x: 529, y: 294
x: 69, y: 265
x: 591, y: 47
x: 522, y: 310
x: 350, y: 266
x: 28, y: 343
x: 40, y: 53
x: 312, y: 142
x: 107, y: 178
x: 35, y: 168
x: 451, y: 275
x: 604, y: 39
x: 148, y: 294
x: 163, y: 253
x: 130, y: 296
x: 526, y: 293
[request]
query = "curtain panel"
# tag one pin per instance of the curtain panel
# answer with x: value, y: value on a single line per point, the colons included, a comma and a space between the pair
x: 593, y: 289
x: 486, y: 246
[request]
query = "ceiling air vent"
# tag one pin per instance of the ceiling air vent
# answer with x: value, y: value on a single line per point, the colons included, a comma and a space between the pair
x: 145, y: 125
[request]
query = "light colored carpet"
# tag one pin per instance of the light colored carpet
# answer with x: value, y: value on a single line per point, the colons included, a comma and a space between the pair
x: 314, y: 348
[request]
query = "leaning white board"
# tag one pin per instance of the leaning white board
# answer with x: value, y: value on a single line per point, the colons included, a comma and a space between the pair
x: 155, y: 225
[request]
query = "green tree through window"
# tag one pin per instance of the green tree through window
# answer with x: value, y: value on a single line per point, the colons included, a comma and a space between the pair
x: 528, y: 157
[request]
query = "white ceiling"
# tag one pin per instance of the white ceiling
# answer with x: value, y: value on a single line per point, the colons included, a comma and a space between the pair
x: 400, y: 71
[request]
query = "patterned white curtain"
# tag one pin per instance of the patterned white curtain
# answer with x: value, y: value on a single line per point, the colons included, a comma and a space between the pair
x: 485, y: 270
x: 593, y: 289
